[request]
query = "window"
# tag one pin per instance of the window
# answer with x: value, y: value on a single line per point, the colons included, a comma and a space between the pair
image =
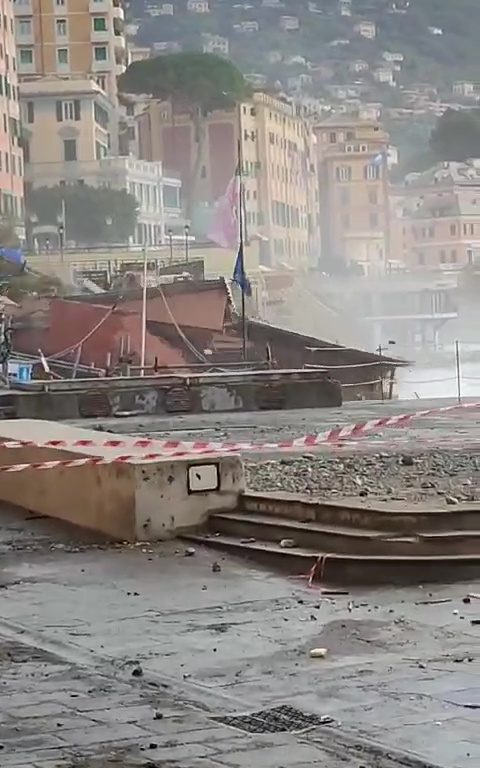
x: 100, y: 52
x: 431, y: 231
x: 345, y: 196
x: 67, y: 110
x: 350, y: 135
x: 453, y: 230
x: 61, y: 27
x: 99, y: 24
x: 371, y: 172
x: 465, y: 229
x: 421, y: 257
x: 60, y: 3
x: 30, y: 112
x: 443, y: 257
x: 101, y: 81
x: 100, y: 115
x: 26, y: 56
x: 472, y: 229
x: 332, y: 138
x: 373, y: 197
x: 453, y: 256
x: 343, y: 173
x: 62, y: 56
x: 24, y: 27
x: 69, y: 150
x: 374, y: 220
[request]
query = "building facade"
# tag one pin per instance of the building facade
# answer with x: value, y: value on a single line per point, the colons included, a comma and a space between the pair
x: 11, y: 154
x: 354, y: 195
x: 436, y: 224
x: 71, y: 38
x: 67, y: 141
x: 278, y: 163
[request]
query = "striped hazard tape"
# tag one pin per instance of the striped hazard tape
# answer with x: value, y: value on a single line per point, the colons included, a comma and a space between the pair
x: 335, y: 435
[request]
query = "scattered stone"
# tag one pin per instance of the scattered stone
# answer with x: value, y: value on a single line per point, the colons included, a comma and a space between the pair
x: 318, y: 653
x: 288, y: 543
x: 189, y: 552
x: 251, y: 540
x: 466, y: 600
x: 137, y: 671
x: 216, y: 567
x: 452, y: 500
x: 158, y: 715
x: 153, y: 745
x: 407, y: 461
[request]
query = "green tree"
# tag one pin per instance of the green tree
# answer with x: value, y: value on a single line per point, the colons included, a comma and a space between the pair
x: 456, y: 135
x: 93, y: 214
x: 195, y: 84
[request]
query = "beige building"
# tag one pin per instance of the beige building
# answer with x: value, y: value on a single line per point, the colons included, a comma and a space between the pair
x: 11, y: 155
x: 71, y: 38
x: 436, y: 223
x: 354, y: 194
x: 278, y: 163
x: 67, y: 141
x: 66, y: 123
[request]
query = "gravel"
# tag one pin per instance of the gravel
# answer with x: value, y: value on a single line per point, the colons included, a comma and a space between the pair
x: 405, y: 476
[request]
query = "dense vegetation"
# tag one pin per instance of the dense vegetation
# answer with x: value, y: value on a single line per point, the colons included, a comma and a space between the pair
x: 437, y: 59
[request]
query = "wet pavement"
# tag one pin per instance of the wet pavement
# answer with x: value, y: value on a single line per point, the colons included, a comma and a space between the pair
x: 127, y: 656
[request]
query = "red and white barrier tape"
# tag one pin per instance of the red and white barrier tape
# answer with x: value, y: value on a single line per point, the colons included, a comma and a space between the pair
x: 180, y: 448
x: 88, y: 461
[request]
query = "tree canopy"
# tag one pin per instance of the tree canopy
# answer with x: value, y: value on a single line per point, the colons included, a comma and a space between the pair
x: 194, y: 83
x: 456, y: 135
x: 93, y: 214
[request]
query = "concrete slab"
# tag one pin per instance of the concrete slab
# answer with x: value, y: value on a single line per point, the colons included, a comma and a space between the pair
x: 136, y: 500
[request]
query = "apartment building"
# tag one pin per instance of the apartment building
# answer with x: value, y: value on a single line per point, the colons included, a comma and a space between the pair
x: 278, y: 166
x: 11, y: 155
x: 71, y: 38
x: 436, y: 223
x: 354, y: 194
x: 67, y: 141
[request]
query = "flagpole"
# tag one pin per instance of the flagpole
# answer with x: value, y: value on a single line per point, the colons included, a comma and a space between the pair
x: 241, y: 245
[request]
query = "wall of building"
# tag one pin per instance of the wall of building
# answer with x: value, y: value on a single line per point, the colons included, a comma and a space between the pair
x: 60, y: 114
x: 11, y: 155
x: 355, y: 213
x: 83, y: 37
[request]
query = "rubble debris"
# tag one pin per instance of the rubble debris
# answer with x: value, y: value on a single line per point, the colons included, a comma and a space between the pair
x: 216, y: 567
x: 318, y: 653
x: 288, y: 543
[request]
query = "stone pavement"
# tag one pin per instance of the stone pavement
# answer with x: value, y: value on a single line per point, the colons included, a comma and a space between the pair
x: 127, y: 656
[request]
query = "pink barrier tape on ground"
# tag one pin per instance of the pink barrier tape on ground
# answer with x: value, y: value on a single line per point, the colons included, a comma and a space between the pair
x: 181, y: 448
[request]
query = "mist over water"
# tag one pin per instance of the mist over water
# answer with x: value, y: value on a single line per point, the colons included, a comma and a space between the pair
x: 428, y: 382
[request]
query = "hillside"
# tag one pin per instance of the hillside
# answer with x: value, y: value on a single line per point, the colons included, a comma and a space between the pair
x: 437, y: 39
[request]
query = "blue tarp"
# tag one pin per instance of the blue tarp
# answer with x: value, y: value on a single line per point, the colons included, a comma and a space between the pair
x: 15, y: 255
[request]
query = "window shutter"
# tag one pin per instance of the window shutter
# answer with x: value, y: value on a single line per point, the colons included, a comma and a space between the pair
x: 58, y: 107
x: 76, y: 109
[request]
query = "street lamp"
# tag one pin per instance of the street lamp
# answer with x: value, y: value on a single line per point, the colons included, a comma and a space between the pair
x: 187, y: 232
x: 170, y: 244
x: 61, y: 237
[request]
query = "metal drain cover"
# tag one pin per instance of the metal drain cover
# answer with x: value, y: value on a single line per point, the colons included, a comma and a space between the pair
x: 275, y: 720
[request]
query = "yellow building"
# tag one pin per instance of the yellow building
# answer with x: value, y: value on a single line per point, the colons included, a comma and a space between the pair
x: 354, y: 194
x: 66, y: 124
x: 277, y: 148
x: 71, y: 38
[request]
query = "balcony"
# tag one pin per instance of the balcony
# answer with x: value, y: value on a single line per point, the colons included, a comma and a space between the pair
x: 100, y: 36
x: 118, y: 12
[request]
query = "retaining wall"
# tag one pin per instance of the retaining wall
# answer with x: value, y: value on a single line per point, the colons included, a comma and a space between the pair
x: 139, y: 500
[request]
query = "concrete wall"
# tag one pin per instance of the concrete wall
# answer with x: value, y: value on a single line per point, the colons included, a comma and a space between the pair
x: 272, y: 390
x: 134, y: 501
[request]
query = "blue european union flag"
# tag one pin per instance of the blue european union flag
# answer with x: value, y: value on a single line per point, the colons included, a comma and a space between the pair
x: 239, y: 276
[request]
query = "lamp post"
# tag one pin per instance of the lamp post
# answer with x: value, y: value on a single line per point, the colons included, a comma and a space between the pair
x: 187, y: 232
x: 170, y: 244
x: 61, y: 240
